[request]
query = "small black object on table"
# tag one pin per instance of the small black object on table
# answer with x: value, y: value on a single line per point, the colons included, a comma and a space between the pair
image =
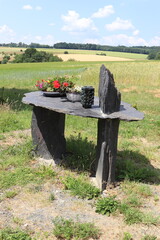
x: 48, y: 124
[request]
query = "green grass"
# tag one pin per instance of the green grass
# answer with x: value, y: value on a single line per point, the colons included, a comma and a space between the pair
x: 137, y: 82
x: 10, y: 194
x: 133, y: 215
x: 14, y: 234
x: 136, y: 188
x: 81, y: 187
x: 107, y: 205
x: 16, y: 168
x: 68, y: 229
x: 81, y: 151
x: 149, y: 237
x: 139, y: 142
x: 127, y: 236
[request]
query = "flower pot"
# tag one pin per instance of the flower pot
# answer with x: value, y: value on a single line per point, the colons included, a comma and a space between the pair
x: 74, y: 96
x: 53, y: 94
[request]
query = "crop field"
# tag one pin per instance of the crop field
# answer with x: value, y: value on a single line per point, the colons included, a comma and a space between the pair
x: 33, y: 193
x: 89, y: 57
x: 79, y: 55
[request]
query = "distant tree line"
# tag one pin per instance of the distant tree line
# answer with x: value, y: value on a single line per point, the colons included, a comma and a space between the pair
x: 152, y: 52
x: 24, y: 45
x: 87, y: 46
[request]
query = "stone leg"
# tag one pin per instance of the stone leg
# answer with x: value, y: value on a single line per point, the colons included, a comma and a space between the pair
x: 107, y: 139
x: 48, y: 133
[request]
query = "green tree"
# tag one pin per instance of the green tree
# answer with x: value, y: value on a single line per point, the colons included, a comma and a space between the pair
x: 157, y: 56
x: 29, y: 52
x: 32, y: 55
x: 151, y: 55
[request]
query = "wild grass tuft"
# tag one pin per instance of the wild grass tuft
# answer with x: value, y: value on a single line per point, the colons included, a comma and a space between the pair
x: 149, y: 237
x: 107, y: 205
x: 134, y: 215
x: 68, y: 229
x: 14, y: 234
x: 52, y: 197
x: 81, y: 187
x: 131, y: 215
x: 127, y: 236
x: 10, y: 194
x: 136, y: 188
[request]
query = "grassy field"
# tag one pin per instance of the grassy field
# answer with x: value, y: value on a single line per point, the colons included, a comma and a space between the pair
x: 84, y: 52
x: 138, y: 159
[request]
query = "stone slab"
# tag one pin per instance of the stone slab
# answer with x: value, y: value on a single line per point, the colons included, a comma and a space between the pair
x: 62, y: 105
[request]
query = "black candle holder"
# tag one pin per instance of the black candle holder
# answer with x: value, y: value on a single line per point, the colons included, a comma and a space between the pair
x: 87, y: 96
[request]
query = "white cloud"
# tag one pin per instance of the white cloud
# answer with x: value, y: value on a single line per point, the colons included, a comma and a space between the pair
x: 27, y: 7
x: 38, y: 38
x: 6, y: 30
x: 123, y: 39
x: 73, y: 23
x: 48, y: 39
x: 119, y: 24
x: 155, y: 41
x: 51, y: 24
x: 135, y: 33
x: 90, y: 40
x: 6, y: 34
x: 103, y: 12
x: 38, y: 8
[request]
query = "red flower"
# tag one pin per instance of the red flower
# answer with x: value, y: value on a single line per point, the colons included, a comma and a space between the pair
x: 65, y: 84
x: 56, y: 84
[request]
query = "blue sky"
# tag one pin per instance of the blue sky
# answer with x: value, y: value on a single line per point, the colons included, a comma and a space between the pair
x: 104, y: 22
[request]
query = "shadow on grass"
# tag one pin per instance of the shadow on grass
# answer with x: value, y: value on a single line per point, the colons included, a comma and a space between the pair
x: 13, y: 97
x: 81, y: 154
x: 136, y: 167
x: 130, y: 165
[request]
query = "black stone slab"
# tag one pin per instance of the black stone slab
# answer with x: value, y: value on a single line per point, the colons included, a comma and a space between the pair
x: 109, y: 96
x: 47, y: 130
x: 62, y: 105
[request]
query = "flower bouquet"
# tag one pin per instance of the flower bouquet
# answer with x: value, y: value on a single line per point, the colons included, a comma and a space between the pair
x: 59, y: 84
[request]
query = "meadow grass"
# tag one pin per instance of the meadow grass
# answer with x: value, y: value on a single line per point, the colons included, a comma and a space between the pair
x: 139, y: 142
x: 138, y: 82
x: 135, y: 56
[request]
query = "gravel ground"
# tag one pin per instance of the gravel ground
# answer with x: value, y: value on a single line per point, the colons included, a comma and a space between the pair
x: 32, y: 210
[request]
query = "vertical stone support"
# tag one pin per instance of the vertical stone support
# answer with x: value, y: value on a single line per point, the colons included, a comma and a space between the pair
x: 107, y: 139
x: 48, y: 133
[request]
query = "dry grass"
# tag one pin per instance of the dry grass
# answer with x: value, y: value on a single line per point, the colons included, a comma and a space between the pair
x: 91, y: 58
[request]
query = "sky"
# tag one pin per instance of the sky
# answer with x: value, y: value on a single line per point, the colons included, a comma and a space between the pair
x: 104, y: 22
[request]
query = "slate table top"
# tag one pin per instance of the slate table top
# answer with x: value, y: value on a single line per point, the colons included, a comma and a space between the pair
x: 62, y: 105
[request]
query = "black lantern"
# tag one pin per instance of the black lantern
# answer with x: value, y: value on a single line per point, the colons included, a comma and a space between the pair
x: 87, y: 96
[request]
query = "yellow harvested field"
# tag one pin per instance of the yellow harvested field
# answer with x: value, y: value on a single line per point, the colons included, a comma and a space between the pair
x: 91, y: 58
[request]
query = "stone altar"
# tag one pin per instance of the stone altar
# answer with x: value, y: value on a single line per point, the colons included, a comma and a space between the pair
x: 48, y: 126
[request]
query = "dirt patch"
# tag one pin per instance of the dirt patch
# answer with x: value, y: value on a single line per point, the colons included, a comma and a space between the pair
x: 148, y: 145
x: 131, y: 89
x: 14, y: 137
x: 32, y: 210
x: 90, y: 58
x: 156, y: 92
